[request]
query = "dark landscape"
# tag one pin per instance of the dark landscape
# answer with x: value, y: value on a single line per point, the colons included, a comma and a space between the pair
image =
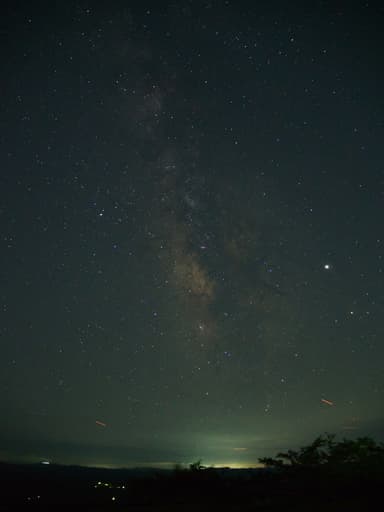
x: 347, y: 477
x: 216, y: 489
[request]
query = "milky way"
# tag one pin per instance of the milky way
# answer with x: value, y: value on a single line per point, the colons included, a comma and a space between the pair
x: 191, y: 236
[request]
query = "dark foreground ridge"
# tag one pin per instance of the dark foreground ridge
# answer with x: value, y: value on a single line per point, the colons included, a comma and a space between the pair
x: 296, y: 488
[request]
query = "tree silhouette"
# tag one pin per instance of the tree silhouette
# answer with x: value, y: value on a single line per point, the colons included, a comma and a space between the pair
x: 196, y: 466
x: 363, y: 452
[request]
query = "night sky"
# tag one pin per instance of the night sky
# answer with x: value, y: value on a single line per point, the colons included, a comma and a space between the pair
x: 191, y: 243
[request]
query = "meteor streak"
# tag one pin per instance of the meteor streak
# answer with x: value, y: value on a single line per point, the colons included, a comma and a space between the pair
x: 328, y: 402
x: 100, y: 423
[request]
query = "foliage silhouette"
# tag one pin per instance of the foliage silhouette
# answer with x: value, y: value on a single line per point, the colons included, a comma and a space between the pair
x: 362, y: 453
x: 196, y: 466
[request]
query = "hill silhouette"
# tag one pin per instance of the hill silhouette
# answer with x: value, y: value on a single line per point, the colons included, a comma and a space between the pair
x: 325, y: 475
